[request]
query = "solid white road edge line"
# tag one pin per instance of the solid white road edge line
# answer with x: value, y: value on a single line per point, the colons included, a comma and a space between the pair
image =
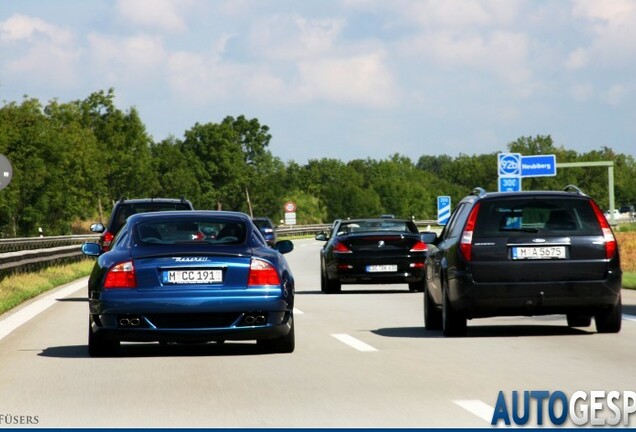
x: 478, y: 408
x: 15, y: 320
x: 353, y: 342
x: 298, y: 312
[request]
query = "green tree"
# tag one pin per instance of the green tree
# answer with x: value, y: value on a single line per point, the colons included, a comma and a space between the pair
x: 55, y: 168
x: 124, y: 146
x: 231, y: 160
x: 176, y: 171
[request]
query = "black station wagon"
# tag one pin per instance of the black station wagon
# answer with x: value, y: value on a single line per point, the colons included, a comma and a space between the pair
x: 524, y: 253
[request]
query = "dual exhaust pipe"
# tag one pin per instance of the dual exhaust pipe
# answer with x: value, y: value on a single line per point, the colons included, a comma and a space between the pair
x: 129, y: 321
x: 255, y: 319
x: 248, y: 319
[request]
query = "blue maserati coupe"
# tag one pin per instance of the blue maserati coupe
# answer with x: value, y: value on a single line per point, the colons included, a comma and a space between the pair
x: 190, y: 276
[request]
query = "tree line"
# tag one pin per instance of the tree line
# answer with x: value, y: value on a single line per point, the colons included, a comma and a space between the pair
x: 71, y: 162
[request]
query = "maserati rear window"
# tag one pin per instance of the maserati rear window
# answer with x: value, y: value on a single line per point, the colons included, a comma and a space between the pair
x: 191, y: 231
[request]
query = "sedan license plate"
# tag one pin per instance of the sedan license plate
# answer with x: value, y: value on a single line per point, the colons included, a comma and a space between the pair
x: 538, y: 252
x: 201, y: 276
x: 382, y: 268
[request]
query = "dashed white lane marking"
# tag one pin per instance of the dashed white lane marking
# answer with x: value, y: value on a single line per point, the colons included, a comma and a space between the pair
x: 627, y: 317
x: 15, y: 320
x: 298, y: 312
x: 478, y: 408
x: 353, y: 342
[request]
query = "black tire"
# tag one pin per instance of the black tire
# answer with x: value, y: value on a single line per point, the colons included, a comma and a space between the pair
x: 579, y: 320
x: 101, y: 346
x: 283, y: 345
x: 609, y: 320
x: 417, y: 286
x: 453, y: 322
x: 323, y: 282
x: 332, y: 286
x: 328, y: 286
x: 432, y: 315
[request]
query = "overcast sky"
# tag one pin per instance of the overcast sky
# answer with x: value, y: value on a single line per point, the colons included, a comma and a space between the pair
x: 341, y: 79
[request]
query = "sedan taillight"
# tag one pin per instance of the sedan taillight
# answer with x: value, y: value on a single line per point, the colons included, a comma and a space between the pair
x: 341, y: 248
x: 262, y: 273
x: 107, y: 239
x: 121, y: 276
x: 420, y: 246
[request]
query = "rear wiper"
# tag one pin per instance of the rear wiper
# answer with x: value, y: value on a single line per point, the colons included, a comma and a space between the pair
x: 530, y: 230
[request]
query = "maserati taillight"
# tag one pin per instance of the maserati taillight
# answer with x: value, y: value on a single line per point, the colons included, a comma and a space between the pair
x: 262, y: 273
x: 121, y: 276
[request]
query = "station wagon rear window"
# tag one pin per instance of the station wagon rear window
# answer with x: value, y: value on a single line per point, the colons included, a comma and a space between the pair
x: 551, y: 216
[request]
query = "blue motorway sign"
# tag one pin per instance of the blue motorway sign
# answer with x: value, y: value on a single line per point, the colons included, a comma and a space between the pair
x: 538, y: 166
x: 443, y: 209
x: 509, y: 164
x: 509, y: 184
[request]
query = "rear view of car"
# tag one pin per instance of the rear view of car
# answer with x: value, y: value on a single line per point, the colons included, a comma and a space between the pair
x: 166, y: 280
x: 526, y: 253
x: 267, y: 228
x: 372, y: 251
x: 127, y: 207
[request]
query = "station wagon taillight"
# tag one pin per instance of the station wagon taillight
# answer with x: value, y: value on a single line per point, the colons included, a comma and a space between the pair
x: 121, y: 276
x: 466, y: 241
x: 262, y: 273
x: 610, y: 240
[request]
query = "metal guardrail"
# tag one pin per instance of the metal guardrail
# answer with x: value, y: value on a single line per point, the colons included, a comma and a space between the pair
x: 30, y: 253
x: 25, y: 243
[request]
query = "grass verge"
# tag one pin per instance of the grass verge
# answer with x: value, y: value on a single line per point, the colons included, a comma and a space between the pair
x: 15, y: 289
x: 629, y: 280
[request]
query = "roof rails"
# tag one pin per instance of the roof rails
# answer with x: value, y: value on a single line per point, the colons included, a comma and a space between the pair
x: 573, y: 189
x: 478, y: 191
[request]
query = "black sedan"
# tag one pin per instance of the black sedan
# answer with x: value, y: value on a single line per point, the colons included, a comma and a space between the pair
x: 372, y: 251
x: 194, y: 276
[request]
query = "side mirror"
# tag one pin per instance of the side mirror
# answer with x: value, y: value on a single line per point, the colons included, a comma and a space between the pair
x: 97, y: 228
x: 428, y: 237
x: 284, y: 246
x: 91, y: 249
x: 321, y: 236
